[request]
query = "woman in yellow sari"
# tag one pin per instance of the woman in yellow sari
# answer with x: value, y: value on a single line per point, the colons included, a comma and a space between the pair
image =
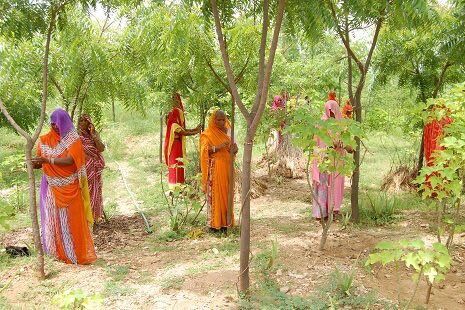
x: 215, y: 158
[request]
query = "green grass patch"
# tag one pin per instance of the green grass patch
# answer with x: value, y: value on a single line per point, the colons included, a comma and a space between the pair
x: 172, y: 283
x: 118, y: 273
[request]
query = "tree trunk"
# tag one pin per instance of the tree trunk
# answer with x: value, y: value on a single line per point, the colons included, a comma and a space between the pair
x: 33, y: 210
x: 113, y: 112
x: 245, y: 219
x: 160, y: 150
x: 428, y: 292
x: 354, y: 194
x: 421, y: 153
x: 230, y: 213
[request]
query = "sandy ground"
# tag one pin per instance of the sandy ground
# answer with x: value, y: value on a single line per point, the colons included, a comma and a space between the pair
x: 136, y: 270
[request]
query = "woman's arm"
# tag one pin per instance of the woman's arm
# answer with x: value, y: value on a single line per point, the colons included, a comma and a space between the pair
x: 215, y: 148
x: 189, y: 132
x: 98, y: 142
x: 96, y: 137
x: 64, y: 161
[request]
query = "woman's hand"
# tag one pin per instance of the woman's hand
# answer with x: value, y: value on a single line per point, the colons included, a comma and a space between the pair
x: 222, y: 146
x: 337, y: 144
x: 234, y: 148
x: 349, y: 149
x: 37, y: 162
x: 91, y: 129
x: 198, y: 129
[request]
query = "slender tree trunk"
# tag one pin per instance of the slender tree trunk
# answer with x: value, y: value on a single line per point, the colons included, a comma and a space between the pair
x: 33, y: 210
x: 421, y: 153
x: 245, y: 219
x: 30, y: 141
x: 354, y: 194
x: 230, y: 213
x: 113, y: 112
x: 428, y: 292
x: 160, y: 150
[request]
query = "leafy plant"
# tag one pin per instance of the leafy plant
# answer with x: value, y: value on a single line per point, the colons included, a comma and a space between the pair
x: 6, y: 214
x: 183, y: 203
x: 430, y: 263
x: 330, y: 160
x: 77, y: 299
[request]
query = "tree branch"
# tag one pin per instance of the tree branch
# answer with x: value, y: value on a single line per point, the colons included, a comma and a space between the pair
x: 60, y: 90
x: 226, y: 62
x: 441, y: 78
x: 261, y: 61
x: 269, y: 67
x: 45, y: 72
x: 241, y: 73
x: 217, y: 76
x: 13, y: 123
x: 341, y: 35
x: 379, y: 23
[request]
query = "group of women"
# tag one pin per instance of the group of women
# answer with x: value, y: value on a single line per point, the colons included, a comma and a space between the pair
x: 72, y: 164
x: 71, y: 187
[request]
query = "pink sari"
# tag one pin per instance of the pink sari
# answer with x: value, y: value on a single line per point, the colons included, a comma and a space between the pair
x: 328, y: 189
x: 94, y: 166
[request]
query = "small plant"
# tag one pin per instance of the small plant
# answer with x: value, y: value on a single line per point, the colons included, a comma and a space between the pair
x: 379, y: 210
x: 77, y: 299
x: 183, y: 202
x: 15, y: 165
x: 6, y: 214
x: 430, y: 263
x: 265, y: 261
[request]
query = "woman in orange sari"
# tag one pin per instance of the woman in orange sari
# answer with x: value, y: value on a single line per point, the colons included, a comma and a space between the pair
x: 215, y: 158
x: 175, y: 141
x: 65, y: 210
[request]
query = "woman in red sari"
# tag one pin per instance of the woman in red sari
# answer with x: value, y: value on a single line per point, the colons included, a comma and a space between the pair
x: 175, y: 141
x: 93, y: 148
x: 433, y: 132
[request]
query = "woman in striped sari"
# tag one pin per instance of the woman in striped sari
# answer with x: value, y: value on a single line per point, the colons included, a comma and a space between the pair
x: 65, y: 211
x: 93, y: 148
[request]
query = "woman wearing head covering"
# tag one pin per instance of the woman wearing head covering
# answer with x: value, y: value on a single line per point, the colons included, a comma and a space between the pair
x: 64, y: 195
x: 175, y: 141
x: 328, y: 189
x: 347, y: 110
x: 215, y: 158
x: 93, y: 148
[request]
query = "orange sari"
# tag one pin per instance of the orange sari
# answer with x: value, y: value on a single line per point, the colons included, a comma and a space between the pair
x: 215, y: 175
x: 64, y: 200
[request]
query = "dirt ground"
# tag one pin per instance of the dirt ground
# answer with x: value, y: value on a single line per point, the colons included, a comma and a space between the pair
x: 136, y: 270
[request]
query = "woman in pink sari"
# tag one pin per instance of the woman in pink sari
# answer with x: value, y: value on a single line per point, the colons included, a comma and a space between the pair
x: 328, y: 189
x: 93, y: 148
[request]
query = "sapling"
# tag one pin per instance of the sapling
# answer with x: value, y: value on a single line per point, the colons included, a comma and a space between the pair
x: 430, y: 263
x: 331, y: 161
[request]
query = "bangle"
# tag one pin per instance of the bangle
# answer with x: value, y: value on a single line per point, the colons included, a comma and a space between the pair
x: 214, y: 149
x: 52, y: 161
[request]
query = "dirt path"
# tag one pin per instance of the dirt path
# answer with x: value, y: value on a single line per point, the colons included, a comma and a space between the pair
x: 140, y: 271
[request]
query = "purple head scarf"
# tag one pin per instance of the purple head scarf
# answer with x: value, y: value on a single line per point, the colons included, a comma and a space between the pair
x: 63, y: 121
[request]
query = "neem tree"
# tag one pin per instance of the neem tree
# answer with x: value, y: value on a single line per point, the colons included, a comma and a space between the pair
x: 45, y: 15
x: 345, y: 17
